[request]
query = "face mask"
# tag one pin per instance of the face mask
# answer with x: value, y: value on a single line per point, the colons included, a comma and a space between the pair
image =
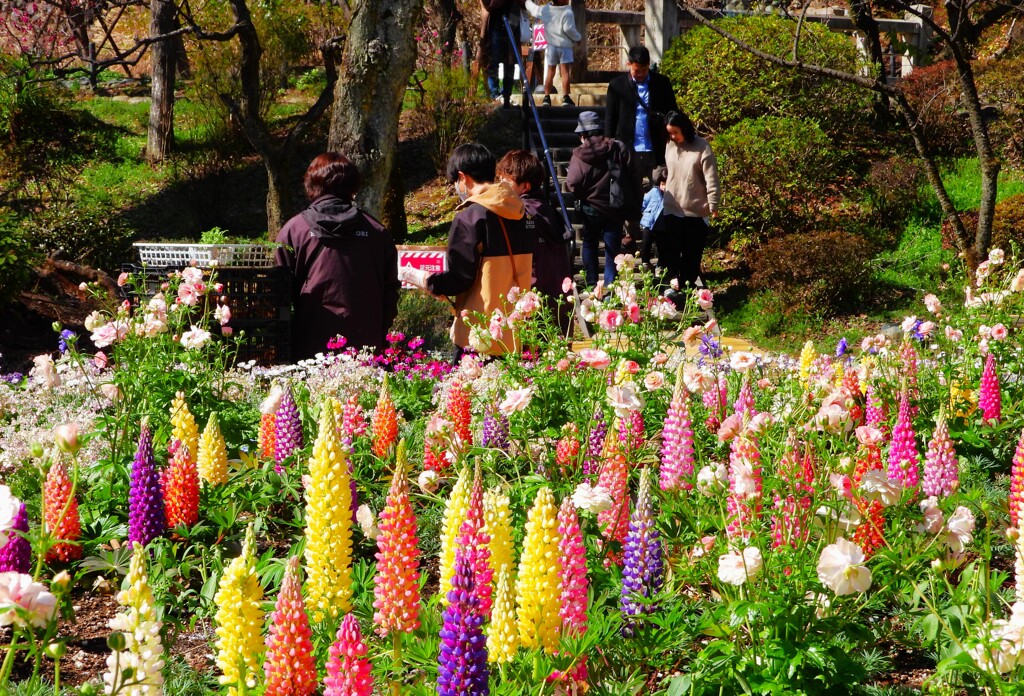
x: 462, y: 193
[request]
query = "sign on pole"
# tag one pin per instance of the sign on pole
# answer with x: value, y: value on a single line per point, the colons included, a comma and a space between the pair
x: 433, y: 259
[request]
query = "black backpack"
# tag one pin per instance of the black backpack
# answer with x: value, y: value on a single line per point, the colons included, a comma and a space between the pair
x: 622, y: 194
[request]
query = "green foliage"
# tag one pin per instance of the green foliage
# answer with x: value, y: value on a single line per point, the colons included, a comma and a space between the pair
x: 776, y: 171
x: 1008, y: 224
x: 720, y: 84
x: 94, y: 235
x: 821, y: 273
x: 892, y: 193
x: 1001, y: 83
x: 17, y: 256
x: 423, y: 316
x: 453, y: 113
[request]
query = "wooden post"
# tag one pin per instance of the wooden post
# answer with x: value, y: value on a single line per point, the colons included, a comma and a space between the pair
x: 629, y: 36
x: 661, y: 25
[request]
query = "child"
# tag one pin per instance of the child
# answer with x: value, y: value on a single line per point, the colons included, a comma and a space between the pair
x: 560, y: 32
x: 654, y: 201
x: 525, y: 173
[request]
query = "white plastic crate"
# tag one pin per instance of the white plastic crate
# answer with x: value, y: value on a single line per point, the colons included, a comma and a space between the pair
x: 225, y: 255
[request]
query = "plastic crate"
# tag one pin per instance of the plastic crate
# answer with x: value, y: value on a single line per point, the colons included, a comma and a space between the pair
x: 206, y: 255
x: 266, y: 342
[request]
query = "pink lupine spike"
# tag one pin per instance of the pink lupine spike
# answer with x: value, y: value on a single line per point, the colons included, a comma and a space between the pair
x: 876, y: 413
x: 903, y: 455
x: 573, y: 571
x: 614, y: 477
x: 941, y: 466
x: 743, y: 506
x: 290, y: 665
x: 677, y: 454
x: 744, y: 404
x: 990, y: 401
x: 474, y: 546
x: 348, y: 669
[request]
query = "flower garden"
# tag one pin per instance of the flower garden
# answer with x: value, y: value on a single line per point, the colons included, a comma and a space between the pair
x: 645, y: 513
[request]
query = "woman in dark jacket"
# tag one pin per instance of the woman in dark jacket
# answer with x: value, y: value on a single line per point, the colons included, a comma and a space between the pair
x: 344, y: 264
x: 589, y: 180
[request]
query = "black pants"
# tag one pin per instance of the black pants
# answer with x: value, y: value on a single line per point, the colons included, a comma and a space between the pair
x: 681, y: 243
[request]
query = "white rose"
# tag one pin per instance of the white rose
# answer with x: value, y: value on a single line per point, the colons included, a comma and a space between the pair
x: 735, y: 568
x: 841, y: 568
x: 195, y: 338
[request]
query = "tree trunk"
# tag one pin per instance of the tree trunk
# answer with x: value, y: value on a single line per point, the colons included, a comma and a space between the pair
x: 280, y: 199
x: 393, y: 215
x: 378, y: 59
x: 163, y: 59
x: 448, y: 16
x: 863, y: 19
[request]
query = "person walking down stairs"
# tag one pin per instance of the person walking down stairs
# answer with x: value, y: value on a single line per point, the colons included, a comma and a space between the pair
x: 561, y: 33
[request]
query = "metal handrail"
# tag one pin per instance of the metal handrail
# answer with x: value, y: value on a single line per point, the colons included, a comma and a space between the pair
x: 527, y: 92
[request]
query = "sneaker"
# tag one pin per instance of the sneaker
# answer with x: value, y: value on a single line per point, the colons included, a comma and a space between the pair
x: 567, y: 101
x: 546, y: 101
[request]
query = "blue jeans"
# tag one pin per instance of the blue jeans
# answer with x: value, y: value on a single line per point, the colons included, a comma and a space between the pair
x: 499, y: 51
x: 597, y: 228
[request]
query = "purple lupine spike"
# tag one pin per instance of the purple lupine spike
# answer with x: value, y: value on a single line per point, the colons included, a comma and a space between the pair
x: 288, y: 436
x: 595, y: 443
x: 16, y: 554
x: 744, y: 404
x: 875, y: 414
x: 677, y: 443
x: 146, y: 517
x: 990, y: 401
x: 642, y: 570
x: 495, y: 430
x: 903, y: 456
x: 941, y: 466
x: 462, y: 662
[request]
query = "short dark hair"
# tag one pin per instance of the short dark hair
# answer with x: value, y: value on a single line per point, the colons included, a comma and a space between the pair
x: 639, y: 54
x: 523, y: 167
x: 472, y: 159
x: 331, y: 174
x: 681, y: 121
x: 659, y: 175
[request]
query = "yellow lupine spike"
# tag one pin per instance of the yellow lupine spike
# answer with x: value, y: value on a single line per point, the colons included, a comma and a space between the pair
x: 503, y: 634
x: 498, y: 526
x: 239, y: 621
x: 539, y: 585
x: 454, y: 515
x: 328, y: 552
x: 184, y: 425
x: 212, y: 461
x: 807, y: 356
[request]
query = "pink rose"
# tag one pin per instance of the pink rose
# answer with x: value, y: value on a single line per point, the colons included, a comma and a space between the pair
x: 188, y: 294
x: 630, y: 366
x: 692, y: 335
x: 633, y: 311
x: 764, y: 383
x: 954, y: 335
x: 999, y: 332
x: 709, y: 328
x: 100, y: 360
x: 654, y: 380
x: 191, y: 275
x: 516, y: 400
x: 593, y: 357
x: 611, y: 319
x: 562, y: 365
x: 705, y: 298
x: 226, y: 331
x: 926, y: 327
x: 868, y: 436
x: 104, y: 336
x: 659, y: 359
x: 122, y: 280
x: 933, y: 304
x: 730, y: 428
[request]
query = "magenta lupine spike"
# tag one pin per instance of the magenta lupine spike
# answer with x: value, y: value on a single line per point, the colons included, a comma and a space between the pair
x: 632, y: 432
x: 744, y: 404
x: 573, y: 571
x: 474, y: 546
x: 714, y: 401
x: 793, y: 498
x: 595, y: 443
x: 348, y: 668
x: 990, y: 401
x: 903, y: 455
x: 353, y: 421
x: 643, y: 570
x: 875, y: 414
x: 16, y: 554
x: 462, y: 662
x: 743, y: 506
x: 288, y: 427
x: 677, y: 443
x: 941, y: 466
x: 146, y: 515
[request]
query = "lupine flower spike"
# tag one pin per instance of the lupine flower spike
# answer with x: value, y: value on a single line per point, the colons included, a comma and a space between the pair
x: 807, y: 356
x: 459, y: 412
x: 574, y: 571
x: 212, y: 460
x: 474, y: 546
x: 744, y: 404
x: 61, y: 514
x: 384, y: 425
x: 1017, y: 484
x: 184, y: 425
x: 714, y: 400
x: 146, y: 516
x: 743, y: 505
x: 567, y: 451
x: 290, y: 667
x: 498, y: 526
x: 539, y: 587
x: 180, y: 485
x: 462, y: 662
x: 495, y: 430
x: 239, y: 620
x: 353, y: 422
x: 677, y: 442
x: 16, y: 554
x: 348, y: 668
x: 903, y: 456
x: 143, y: 652
x: 614, y: 478
x: 396, y: 586
x: 287, y: 427
x: 328, y: 552
x: 908, y: 354
x: 503, y: 636
x: 990, y: 401
x: 451, y: 524
x: 793, y: 498
x: 268, y: 421
x: 595, y: 443
x: 870, y: 533
x: 941, y: 466
x: 875, y: 414
x: 643, y: 570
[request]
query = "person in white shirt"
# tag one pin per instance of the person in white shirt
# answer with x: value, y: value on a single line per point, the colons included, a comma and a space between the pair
x: 561, y: 33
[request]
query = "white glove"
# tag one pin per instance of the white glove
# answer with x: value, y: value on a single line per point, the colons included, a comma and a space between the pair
x: 414, y: 276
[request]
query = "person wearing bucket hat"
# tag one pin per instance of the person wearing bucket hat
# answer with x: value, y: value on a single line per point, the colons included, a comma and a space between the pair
x: 590, y: 178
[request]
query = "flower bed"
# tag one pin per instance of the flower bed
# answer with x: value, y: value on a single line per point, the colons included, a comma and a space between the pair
x: 609, y: 519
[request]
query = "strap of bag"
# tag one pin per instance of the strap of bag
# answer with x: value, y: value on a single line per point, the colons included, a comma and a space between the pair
x: 511, y: 258
x: 639, y: 99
